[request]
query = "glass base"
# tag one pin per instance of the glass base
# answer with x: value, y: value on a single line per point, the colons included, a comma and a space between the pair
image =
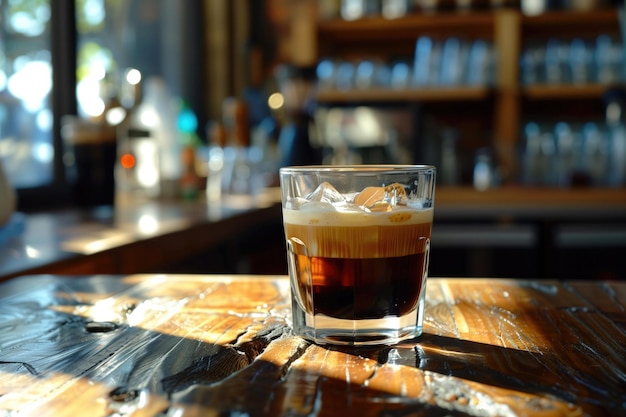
x: 388, y: 330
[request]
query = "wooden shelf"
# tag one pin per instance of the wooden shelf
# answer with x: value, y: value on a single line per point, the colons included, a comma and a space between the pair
x: 570, y: 91
x: 380, y: 95
x: 392, y: 38
x: 471, y: 24
x: 411, y: 26
x: 572, y: 24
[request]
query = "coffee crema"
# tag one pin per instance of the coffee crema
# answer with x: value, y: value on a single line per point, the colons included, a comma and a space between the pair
x: 358, y: 235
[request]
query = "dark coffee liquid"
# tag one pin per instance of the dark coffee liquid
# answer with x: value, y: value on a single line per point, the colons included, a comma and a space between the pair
x: 355, y: 289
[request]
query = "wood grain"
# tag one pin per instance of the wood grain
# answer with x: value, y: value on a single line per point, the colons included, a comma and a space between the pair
x: 161, y: 345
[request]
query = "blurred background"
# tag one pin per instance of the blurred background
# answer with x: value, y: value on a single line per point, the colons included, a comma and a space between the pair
x: 519, y: 104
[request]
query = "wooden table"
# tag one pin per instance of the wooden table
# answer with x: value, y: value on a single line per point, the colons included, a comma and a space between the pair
x: 192, y: 345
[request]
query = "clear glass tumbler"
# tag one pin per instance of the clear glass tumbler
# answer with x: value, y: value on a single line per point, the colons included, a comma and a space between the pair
x: 358, y: 243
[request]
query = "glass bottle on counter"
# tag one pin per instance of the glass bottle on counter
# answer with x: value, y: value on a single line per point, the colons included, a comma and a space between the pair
x: 189, y: 181
x: 137, y: 166
x: 148, y: 141
x: 215, y: 161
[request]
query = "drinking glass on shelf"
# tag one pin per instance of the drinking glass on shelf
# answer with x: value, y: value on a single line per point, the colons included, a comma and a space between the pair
x: 555, y: 62
x: 371, y: 74
x: 533, y: 64
x: 400, y: 76
x: 326, y: 72
x: 594, y: 154
x: 533, y: 169
x: 479, y: 63
x: 426, y: 61
x: 607, y: 60
x: 344, y: 78
x: 567, y: 147
x: 452, y: 62
x: 580, y: 61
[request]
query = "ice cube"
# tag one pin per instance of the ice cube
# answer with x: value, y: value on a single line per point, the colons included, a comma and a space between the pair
x: 369, y: 196
x: 326, y: 193
x: 381, y: 207
x: 395, y: 194
x: 381, y: 199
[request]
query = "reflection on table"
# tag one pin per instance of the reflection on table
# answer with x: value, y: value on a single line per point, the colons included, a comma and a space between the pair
x: 171, y: 345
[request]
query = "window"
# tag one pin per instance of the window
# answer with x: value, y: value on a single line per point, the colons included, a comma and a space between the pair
x: 26, y: 119
x: 60, y: 57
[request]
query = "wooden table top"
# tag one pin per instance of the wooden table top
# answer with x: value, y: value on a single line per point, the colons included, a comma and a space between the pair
x: 191, y: 345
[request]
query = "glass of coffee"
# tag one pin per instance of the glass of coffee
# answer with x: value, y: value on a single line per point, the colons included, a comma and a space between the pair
x: 358, y: 242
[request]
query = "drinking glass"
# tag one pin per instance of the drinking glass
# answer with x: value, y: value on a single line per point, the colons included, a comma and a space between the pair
x: 358, y: 244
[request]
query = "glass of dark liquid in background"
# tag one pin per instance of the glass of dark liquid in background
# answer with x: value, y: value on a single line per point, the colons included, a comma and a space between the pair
x: 89, y: 160
x: 358, y: 242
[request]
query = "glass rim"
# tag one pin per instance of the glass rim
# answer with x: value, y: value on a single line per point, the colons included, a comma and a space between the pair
x: 358, y: 168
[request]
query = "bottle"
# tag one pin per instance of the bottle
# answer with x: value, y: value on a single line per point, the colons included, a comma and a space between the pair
x: 566, y: 153
x: 189, y: 179
x: 137, y: 166
x: 594, y: 154
x: 532, y: 167
x: 217, y: 141
x: 483, y: 171
x: 617, y: 137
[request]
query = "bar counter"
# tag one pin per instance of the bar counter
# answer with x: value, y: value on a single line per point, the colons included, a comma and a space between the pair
x: 143, y: 235
x: 220, y: 345
x: 137, y: 235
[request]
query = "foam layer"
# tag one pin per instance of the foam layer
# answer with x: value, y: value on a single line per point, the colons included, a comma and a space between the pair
x: 358, y: 234
x: 328, y: 216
